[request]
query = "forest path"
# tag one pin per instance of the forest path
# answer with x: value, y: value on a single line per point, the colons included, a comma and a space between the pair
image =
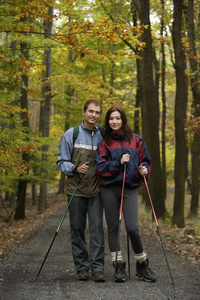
x: 57, y: 279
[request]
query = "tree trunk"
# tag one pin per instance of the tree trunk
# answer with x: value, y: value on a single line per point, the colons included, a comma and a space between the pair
x: 33, y: 194
x: 21, y: 194
x: 61, y: 189
x: 21, y: 198
x: 196, y: 111
x: 112, y: 73
x: 150, y: 115
x: 12, y: 200
x: 45, y: 110
x: 69, y: 95
x: 139, y: 97
x: 194, y: 206
x: 163, y: 96
x: 180, y: 100
x: 139, y: 87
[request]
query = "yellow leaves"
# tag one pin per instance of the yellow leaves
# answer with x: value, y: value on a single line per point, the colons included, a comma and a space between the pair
x: 11, y: 165
x: 80, y: 32
x: 7, y: 111
x: 25, y: 148
x: 12, y: 144
x: 107, y: 30
x: 33, y: 9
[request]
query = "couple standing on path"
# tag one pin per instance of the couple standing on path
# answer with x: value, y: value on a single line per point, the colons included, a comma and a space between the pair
x: 99, y: 162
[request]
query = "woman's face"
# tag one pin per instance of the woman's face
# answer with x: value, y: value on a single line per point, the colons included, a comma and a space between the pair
x: 115, y: 121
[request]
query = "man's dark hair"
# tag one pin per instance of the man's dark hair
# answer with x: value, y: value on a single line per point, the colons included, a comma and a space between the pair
x: 95, y: 102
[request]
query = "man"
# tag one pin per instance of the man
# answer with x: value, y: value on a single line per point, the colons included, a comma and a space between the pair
x: 76, y: 158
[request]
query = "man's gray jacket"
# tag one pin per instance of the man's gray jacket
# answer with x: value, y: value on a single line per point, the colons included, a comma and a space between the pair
x: 77, y: 153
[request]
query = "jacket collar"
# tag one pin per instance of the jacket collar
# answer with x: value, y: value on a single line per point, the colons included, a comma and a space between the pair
x: 86, y: 128
x: 118, y: 135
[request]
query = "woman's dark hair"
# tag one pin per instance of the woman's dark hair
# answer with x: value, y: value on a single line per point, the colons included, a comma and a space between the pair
x: 125, y: 127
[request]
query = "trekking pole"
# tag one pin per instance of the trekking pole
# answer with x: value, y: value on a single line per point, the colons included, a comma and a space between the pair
x: 120, y: 216
x: 157, y: 226
x: 59, y: 226
x: 128, y: 254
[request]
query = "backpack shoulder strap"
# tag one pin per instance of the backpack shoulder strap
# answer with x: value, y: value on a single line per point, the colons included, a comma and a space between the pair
x: 75, y: 133
x: 101, y: 130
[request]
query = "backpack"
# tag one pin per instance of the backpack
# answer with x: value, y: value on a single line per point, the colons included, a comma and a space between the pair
x: 76, y: 132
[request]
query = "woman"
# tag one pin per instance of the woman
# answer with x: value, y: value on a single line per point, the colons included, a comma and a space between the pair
x: 121, y: 147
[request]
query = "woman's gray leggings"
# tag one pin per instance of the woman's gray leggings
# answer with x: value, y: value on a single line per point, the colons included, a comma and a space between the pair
x: 111, y: 196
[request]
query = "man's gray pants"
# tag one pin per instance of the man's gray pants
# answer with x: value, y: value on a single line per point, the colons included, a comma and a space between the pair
x: 81, y: 208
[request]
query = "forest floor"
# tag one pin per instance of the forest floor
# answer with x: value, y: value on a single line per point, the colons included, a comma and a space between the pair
x: 184, y: 241
x: 24, y: 244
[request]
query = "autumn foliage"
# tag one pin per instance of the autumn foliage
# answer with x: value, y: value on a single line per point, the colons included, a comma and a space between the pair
x: 96, y: 49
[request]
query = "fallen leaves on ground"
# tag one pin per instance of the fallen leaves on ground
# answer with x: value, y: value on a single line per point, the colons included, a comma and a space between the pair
x: 13, y: 232
x: 178, y: 240
x: 183, y: 241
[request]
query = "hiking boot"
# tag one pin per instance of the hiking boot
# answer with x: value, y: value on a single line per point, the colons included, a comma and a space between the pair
x: 120, y: 272
x: 143, y: 271
x: 83, y: 275
x: 99, y: 277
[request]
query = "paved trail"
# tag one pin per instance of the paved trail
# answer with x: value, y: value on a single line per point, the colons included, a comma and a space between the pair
x: 57, y: 279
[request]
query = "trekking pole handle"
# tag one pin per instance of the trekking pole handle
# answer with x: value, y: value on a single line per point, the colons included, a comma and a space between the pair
x: 126, y: 152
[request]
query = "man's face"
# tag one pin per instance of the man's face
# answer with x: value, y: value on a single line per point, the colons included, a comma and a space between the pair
x: 91, y: 115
